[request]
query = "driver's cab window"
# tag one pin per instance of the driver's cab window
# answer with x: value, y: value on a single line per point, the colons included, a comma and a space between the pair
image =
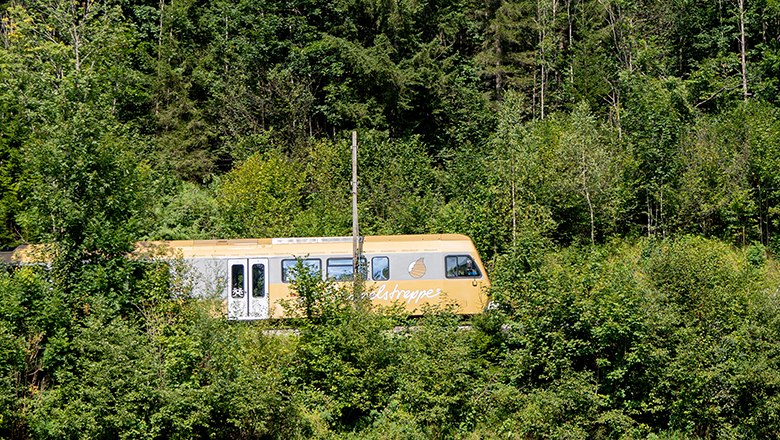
x: 461, y: 266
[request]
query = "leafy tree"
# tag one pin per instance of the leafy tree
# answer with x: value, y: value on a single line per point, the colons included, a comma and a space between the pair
x: 709, y: 298
x: 519, y: 173
x: 715, y: 192
x: 188, y: 211
x: 654, y: 119
x: 261, y: 197
x: 642, y: 324
x: 327, y: 203
x: 591, y: 167
x: 566, y: 165
x: 12, y: 353
x: 397, y: 185
x: 10, y: 139
x: 438, y: 376
x: 83, y: 184
x: 346, y: 353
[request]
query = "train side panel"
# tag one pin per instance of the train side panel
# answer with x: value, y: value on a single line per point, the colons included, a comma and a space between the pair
x: 414, y: 271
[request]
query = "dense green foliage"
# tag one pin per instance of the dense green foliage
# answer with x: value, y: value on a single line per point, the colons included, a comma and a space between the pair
x: 604, y: 117
x: 617, y: 163
x: 672, y: 338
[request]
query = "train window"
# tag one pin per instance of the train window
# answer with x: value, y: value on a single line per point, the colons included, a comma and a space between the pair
x: 459, y: 266
x: 340, y: 269
x: 258, y: 280
x: 237, y: 281
x: 380, y: 268
x: 314, y: 265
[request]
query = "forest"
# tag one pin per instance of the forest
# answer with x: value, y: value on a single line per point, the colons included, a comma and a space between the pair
x: 616, y: 162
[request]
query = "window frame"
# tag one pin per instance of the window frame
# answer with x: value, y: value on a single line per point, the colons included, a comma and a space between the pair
x: 458, y: 264
x: 383, y: 257
x: 346, y: 277
x: 237, y: 292
x: 286, y: 267
x: 255, y: 278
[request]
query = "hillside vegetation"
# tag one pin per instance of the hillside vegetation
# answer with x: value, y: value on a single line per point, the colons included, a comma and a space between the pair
x: 617, y: 163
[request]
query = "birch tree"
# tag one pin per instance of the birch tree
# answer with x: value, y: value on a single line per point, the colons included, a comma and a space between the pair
x: 588, y: 165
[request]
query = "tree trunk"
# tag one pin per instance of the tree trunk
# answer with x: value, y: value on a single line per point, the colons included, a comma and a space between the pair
x: 592, y: 217
x: 742, y: 49
x: 514, y: 206
x: 159, y: 57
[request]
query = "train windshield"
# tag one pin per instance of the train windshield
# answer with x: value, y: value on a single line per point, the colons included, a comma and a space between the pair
x: 461, y: 266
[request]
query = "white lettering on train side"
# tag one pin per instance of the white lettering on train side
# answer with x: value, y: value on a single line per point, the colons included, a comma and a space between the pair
x: 383, y: 293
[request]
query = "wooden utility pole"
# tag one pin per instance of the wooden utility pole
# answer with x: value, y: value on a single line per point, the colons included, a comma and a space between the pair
x: 355, y: 228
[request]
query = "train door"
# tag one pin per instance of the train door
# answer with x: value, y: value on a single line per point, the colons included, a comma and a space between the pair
x: 248, y: 289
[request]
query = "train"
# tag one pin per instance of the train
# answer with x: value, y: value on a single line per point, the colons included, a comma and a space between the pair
x: 253, y: 276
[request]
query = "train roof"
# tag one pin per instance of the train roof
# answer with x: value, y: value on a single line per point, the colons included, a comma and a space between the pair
x: 297, y: 246
x: 27, y: 254
x: 301, y: 246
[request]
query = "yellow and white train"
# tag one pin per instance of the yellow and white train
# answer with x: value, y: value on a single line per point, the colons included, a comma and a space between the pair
x: 414, y: 270
x: 253, y: 275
